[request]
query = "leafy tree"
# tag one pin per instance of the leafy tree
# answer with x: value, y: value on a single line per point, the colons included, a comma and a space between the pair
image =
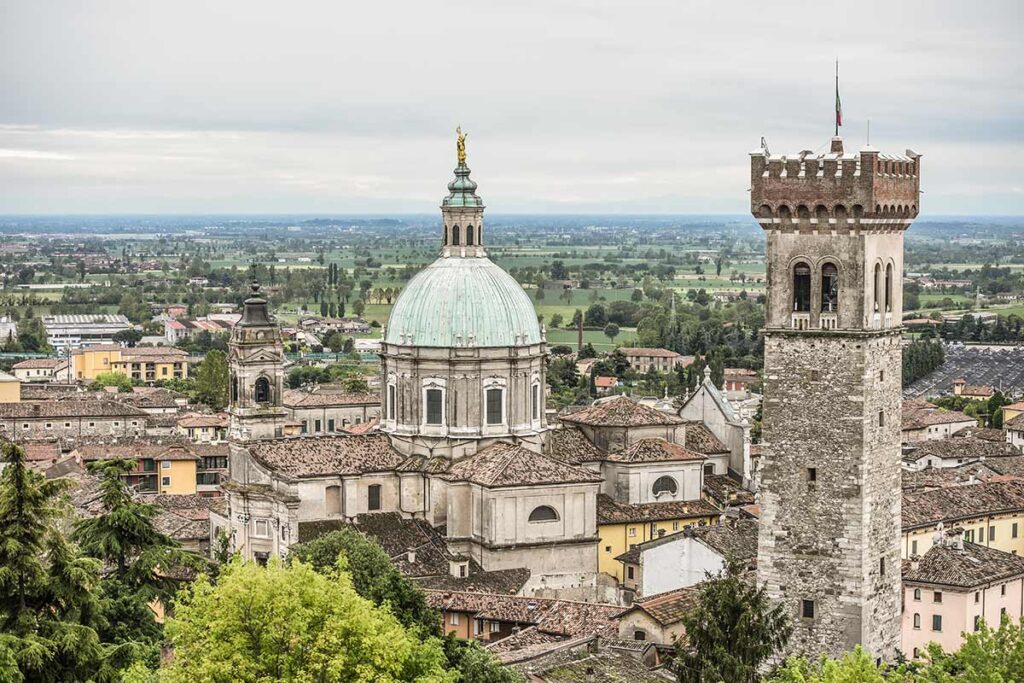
x: 48, y: 608
x: 131, y: 337
x: 112, y: 379
x: 358, y: 307
x: 475, y: 664
x: 290, y: 622
x: 588, y: 351
x: 732, y: 632
x: 556, y: 320
x: 611, y: 330
x: 32, y: 335
x: 356, y: 385
x: 212, y: 380
x: 373, y: 576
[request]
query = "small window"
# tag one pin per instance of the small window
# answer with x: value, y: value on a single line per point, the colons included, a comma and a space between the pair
x: 665, y: 484
x: 977, y: 622
x: 165, y: 481
x: 807, y: 609
x: 977, y: 597
x: 1013, y: 530
x: 917, y: 594
x: 829, y: 288
x: 991, y: 533
x: 494, y: 407
x: 391, y: 401
x: 262, y: 528
x: 881, y: 566
x: 881, y: 375
x: 917, y: 620
x: 1002, y: 589
x: 495, y: 626
x: 434, y: 406
x: 632, y: 531
x: 462, y: 571
x: 535, y: 399
x: 709, y: 469
x: 812, y: 475
x: 453, y: 619
x: 675, y: 526
x: 937, y: 622
x: 165, y: 464
x: 543, y: 513
x: 316, y: 427
x: 917, y: 652
x: 373, y: 497
x: 68, y: 424
x: 801, y: 287
x: 629, y: 573
x: 330, y: 425
x: 937, y: 597
x: 881, y: 418
x: 913, y: 547
x: 49, y: 425
x: 639, y: 635
x: 607, y: 548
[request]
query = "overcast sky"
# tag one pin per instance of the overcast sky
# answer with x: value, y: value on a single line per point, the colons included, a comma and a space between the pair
x: 571, y: 106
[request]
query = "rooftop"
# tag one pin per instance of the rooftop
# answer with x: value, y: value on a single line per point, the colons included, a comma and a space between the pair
x: 70, y: 408
x: 654, y: 450
x: 947, y: 505
x: 319, y: 456
x: 609, y: 511
x: 973, y: 566
x: 666, y: 608
x: 503, y: 464
x: 299, y: 398
x: 572, y: 446
x: 620, y: 411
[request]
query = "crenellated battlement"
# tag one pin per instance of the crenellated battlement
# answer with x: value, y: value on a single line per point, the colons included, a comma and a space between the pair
x: 835, y: 191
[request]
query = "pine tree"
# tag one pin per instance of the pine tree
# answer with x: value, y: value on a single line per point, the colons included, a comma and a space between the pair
x: 48, y: 608
x: 732, y: 632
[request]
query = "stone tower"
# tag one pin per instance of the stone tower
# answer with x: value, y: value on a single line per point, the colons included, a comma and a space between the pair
x: 830, y: 480
x: 256, y: 368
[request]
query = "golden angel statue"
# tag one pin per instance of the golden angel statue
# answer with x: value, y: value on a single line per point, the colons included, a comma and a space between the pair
x: 460, y: 145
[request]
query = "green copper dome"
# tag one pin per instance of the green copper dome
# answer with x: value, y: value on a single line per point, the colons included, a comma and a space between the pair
x: 463, y: 302
x: 462, y: 190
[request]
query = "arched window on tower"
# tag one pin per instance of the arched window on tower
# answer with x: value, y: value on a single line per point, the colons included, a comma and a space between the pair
x: 455, y: 236
x: 877, y: 285
x: 888, y: 288
x: 261, y: 391
x: 234, y: 389
x: 469, y: 235
x: 829, y: 288
x: 802, y: 287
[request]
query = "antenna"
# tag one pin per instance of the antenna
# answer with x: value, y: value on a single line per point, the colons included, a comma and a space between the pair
x: 869, y: 131
x: 764, y: 146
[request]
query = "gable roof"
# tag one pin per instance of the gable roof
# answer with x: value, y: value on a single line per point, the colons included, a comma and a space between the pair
x: 318, y: 456
x: 959, y: 447
x: 621, y: 411
x: 666, y: 608
x: 504, y: 464
x: 971, y: 567
x: 297, y: 398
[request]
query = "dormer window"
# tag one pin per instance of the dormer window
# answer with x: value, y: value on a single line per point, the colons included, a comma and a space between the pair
x: 664, y: 485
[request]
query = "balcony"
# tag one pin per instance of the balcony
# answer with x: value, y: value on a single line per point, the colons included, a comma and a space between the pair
x: 801, y: 321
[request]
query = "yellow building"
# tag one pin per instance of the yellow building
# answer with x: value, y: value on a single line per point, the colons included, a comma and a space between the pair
x: 621, y: 526
x: 142, y: 363
x: 991, y: 514
x: 1013, y: 410
x: 10, y: 388
x: 177, y: 471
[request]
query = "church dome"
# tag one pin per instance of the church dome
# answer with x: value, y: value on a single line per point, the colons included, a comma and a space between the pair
x: 463, y: 302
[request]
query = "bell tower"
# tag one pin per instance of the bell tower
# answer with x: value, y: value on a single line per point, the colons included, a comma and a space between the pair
x: 830, y: 490
x: 256, y: 372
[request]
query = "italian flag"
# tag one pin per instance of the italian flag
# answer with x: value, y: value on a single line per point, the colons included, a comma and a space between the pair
x: 839, y: 109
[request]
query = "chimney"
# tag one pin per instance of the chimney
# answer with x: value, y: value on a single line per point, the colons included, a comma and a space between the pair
x: 410, y: 555
x: 915, y: 563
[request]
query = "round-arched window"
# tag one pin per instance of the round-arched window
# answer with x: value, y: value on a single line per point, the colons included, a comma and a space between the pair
x: 261, y: 391
x: 665, y: 484
x: 543, y: 513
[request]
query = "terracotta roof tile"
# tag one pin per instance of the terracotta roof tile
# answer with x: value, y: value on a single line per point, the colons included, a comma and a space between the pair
x: 572, y: 446
x: 972, y: 567
x: 699, y: 438
x: 72, y: 407
x: 298, y: 398
x: 318, y: 456
x: 964, y: 447
x: 503, y: 464
x: 948, y: 505
x: 621, y: 411
x: 726, y: 491
x: 610, y: 511
x: 654, y: 450
x: 667, y: 608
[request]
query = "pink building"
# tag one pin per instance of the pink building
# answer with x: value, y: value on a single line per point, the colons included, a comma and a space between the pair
x: 953, y: 587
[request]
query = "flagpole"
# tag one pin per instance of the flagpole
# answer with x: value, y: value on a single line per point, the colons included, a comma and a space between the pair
x: 837, y: 97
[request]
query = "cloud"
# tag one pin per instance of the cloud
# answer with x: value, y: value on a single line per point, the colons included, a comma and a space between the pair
x: 255, y: 106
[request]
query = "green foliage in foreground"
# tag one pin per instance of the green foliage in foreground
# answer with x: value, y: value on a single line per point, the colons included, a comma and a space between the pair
x: 291, y: 623
x: 986, y: 656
